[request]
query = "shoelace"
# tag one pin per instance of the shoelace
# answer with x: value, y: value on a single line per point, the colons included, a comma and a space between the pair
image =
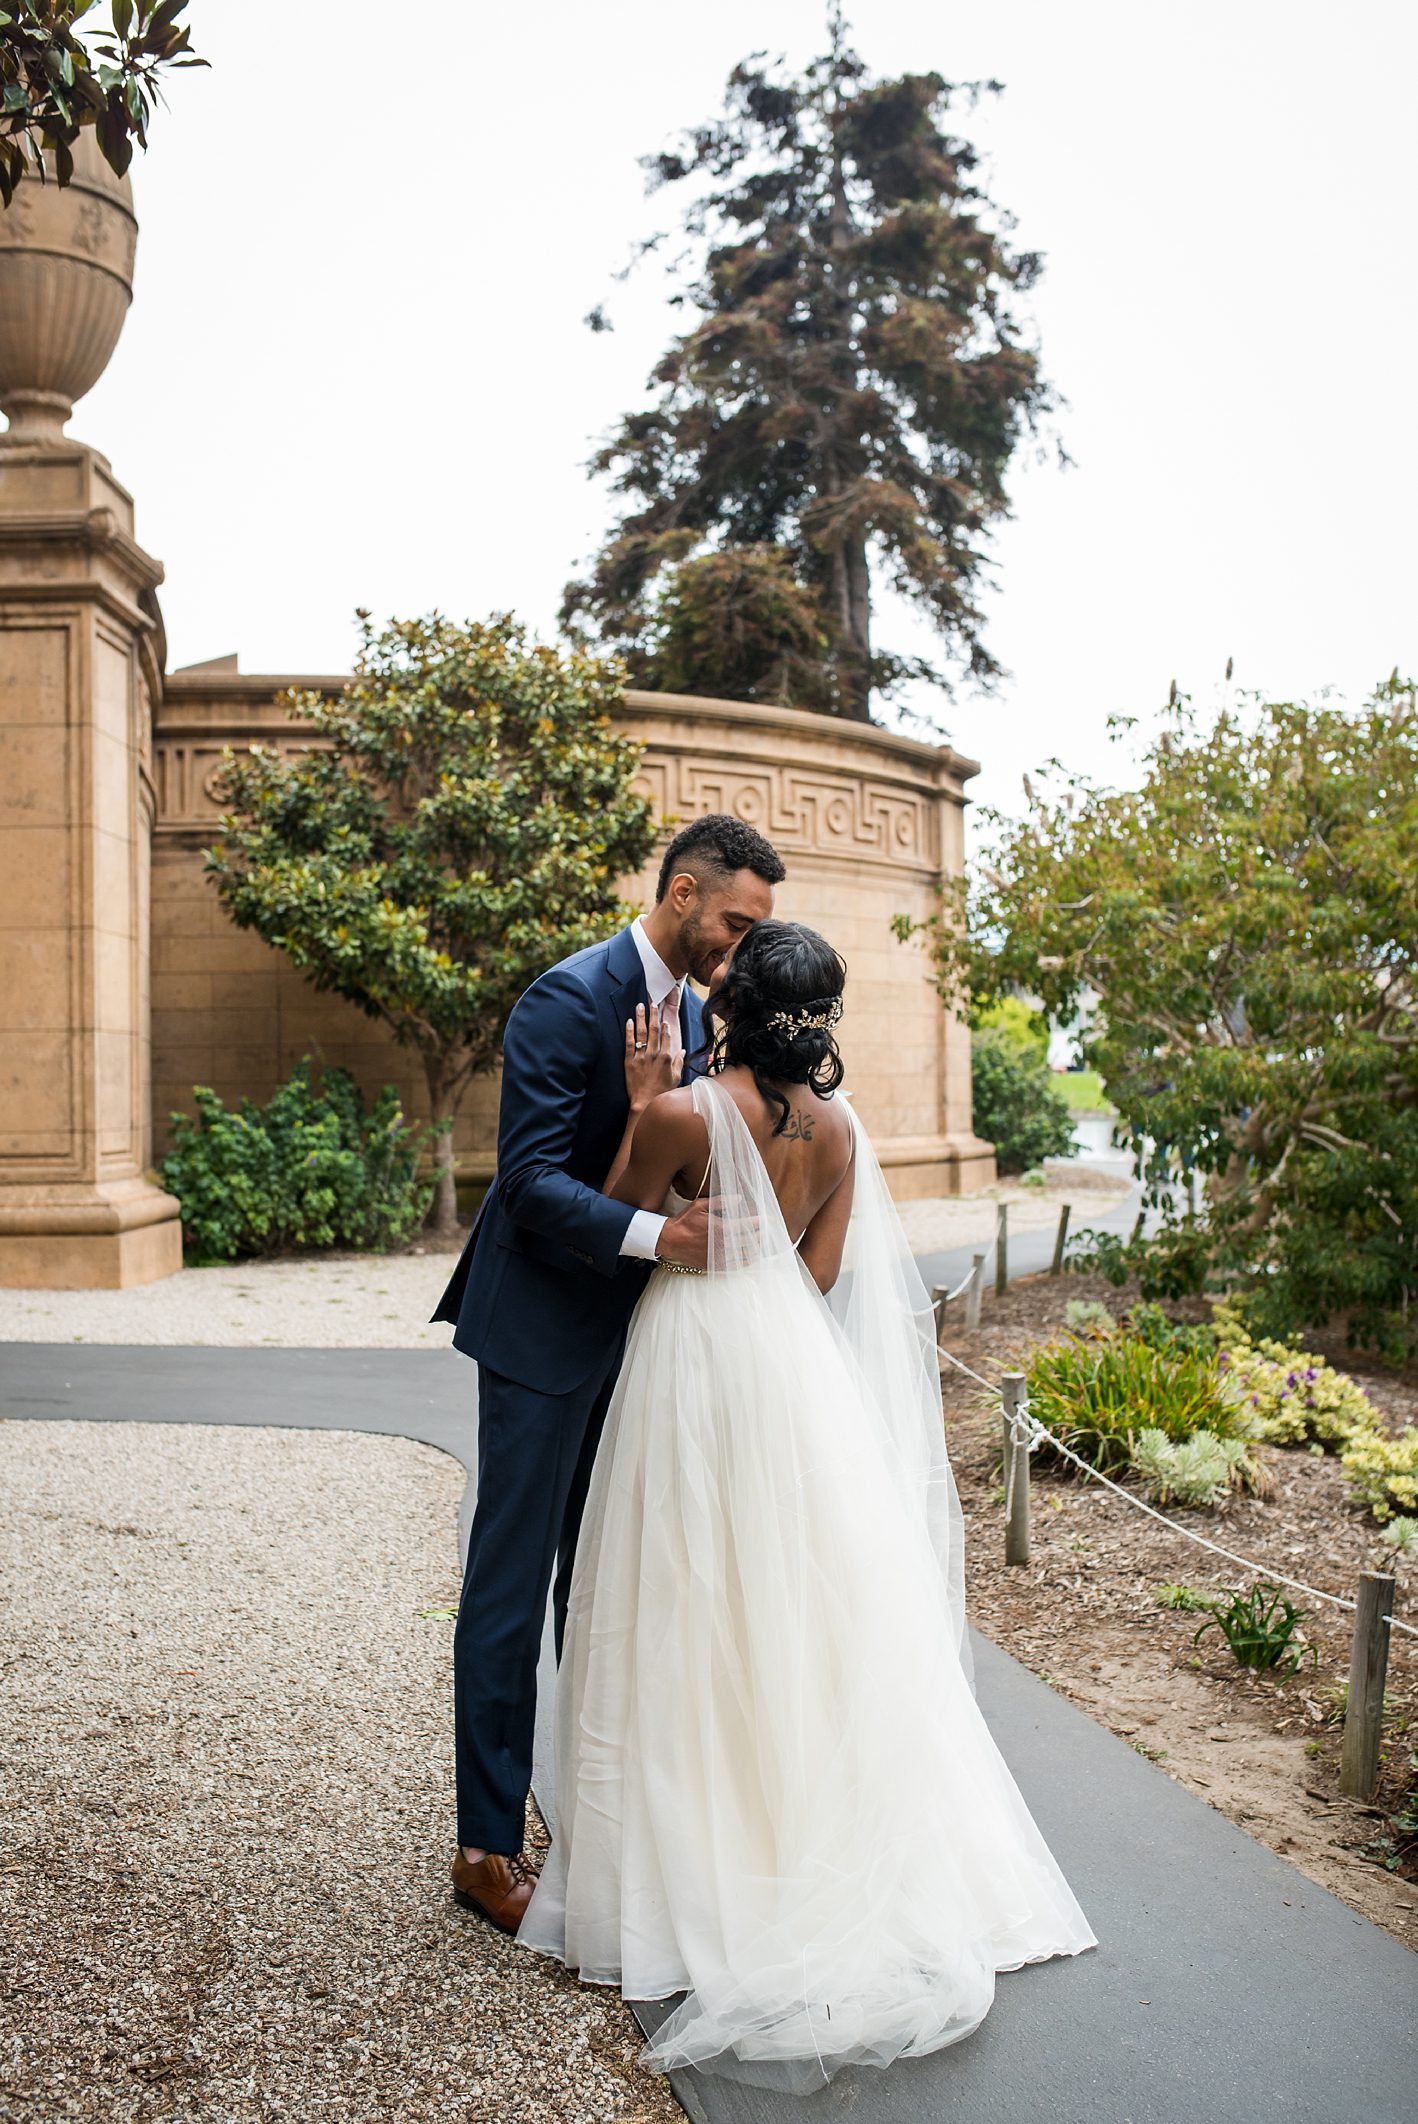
x: 519, y: 1869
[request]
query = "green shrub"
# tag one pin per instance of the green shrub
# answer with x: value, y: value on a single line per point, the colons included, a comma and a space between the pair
x: 1150, y: 1324
x: 1401, y: 1535
x: 1200, y: 1470
x: 1099, y: 1395
x: 312, y: 1168
x: 1172, y: 1263
x: 1383, y: 1470
x: 1188, y: 1599
x: 1085, y: 1316
x: 1018, y: 1107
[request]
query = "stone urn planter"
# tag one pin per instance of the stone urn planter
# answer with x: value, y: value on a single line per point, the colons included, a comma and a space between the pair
x: 66, y: 280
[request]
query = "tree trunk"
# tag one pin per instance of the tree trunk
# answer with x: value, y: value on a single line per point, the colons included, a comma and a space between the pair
x: 851, y: 580
x: 443, y: 1210
x: 859, y: 630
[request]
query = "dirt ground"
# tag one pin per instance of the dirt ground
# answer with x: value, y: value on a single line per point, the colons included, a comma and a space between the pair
x: 1083, y: 1615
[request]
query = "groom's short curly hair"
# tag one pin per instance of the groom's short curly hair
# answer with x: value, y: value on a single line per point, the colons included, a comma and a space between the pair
x: 714, y: 847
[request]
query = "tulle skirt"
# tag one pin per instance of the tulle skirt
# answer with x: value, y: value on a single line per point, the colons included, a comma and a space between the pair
x: 775, y: 1792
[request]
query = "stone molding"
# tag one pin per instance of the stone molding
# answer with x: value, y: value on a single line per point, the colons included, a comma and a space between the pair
x: 843, y: 789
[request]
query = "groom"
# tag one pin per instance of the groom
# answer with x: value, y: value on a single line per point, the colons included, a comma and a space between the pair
x: 540, y: 1299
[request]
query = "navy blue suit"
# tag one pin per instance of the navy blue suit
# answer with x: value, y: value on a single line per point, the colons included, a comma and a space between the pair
x: 540, y: 1298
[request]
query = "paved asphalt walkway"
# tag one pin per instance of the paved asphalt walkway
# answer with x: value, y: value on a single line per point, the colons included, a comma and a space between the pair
x: 1029, y: 1252
x: 1227, y: 1989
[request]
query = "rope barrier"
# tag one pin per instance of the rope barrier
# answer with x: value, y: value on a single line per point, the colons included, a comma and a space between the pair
x: 946, y: 1297
x: 1025, y: 1428
x: 990, y: 1386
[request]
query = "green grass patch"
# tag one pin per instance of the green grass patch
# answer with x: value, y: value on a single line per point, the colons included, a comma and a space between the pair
x: 1083, y: 1089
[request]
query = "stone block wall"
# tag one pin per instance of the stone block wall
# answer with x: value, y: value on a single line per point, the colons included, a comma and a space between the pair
x: 867, y: 822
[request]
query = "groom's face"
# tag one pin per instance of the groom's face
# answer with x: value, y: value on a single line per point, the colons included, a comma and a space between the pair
x: 715, y: 916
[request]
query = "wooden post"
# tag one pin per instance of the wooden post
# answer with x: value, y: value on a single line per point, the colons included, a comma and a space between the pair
x: 1057, y: 1269
x: 1368, y: 1669
x: 975, y: 1292
x: 1016, y: 1474
x: 938, y: 1298
x: 1002, y: 1251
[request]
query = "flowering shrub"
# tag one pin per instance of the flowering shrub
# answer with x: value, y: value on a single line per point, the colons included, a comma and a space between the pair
x: 1297, y: 1398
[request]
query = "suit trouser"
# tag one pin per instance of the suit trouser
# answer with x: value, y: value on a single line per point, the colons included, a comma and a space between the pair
x: 535, y: 1453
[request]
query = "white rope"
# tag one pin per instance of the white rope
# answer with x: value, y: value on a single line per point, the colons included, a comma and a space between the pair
x: 946, y: 1297
x: 1026, y: 1426
x: 960, y: 1288
x: 991, y: 1386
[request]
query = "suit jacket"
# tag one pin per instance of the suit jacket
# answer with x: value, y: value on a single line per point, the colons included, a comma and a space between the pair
x: 541, y: 1290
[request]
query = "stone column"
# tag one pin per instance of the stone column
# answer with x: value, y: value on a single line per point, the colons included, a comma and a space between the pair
x: 81, y: 657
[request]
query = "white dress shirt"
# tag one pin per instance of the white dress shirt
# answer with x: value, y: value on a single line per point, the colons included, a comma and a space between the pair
x: 642, y: 1234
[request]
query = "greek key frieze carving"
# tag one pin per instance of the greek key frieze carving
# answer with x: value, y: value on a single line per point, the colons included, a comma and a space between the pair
x: 801, y: 807
x: 808, y: 808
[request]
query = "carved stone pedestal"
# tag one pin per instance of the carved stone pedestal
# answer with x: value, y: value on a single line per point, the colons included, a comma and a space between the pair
x: 79, y: 668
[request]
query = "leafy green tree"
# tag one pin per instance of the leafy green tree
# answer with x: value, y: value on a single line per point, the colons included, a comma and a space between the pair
x: 462, y: 824
x: 52, y: 85
x: 845, y: 405
x: 1017, y: 1105
x: 1248, y: 918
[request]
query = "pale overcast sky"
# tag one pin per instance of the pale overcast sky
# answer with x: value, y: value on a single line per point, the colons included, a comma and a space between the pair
x: 355, y: 371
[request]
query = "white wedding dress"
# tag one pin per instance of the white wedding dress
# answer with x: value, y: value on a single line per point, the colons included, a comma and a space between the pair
x: 775, y: 1792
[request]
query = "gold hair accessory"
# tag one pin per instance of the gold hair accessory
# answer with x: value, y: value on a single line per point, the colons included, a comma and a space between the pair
x: 813, y: 1017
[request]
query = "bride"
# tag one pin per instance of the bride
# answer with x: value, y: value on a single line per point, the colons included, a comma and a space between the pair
x: 775, y: 1794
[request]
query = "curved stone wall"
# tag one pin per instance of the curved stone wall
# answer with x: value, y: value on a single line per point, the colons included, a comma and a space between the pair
x: 866, y: 821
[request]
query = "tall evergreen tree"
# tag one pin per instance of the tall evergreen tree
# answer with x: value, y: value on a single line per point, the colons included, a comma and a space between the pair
x: 844, y: 408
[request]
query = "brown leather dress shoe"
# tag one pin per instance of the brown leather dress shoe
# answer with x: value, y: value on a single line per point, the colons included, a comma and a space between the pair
x: 498, y: 1889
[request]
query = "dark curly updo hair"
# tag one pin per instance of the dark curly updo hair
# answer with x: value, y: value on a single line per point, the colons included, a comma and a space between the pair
x: 774, y: 1011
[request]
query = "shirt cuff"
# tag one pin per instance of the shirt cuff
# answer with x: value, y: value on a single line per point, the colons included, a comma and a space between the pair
x: 642, y: 1235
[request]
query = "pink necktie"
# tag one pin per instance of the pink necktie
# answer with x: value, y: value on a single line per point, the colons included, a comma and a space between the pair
x: 669, y: 1022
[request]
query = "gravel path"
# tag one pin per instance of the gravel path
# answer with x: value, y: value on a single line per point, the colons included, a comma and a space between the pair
x: 330, y: 1302
x: 227, y: 1800
x: 382, y: 1301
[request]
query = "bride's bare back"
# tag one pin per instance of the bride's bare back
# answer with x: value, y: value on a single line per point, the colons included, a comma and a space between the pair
x: 808, y: 1161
